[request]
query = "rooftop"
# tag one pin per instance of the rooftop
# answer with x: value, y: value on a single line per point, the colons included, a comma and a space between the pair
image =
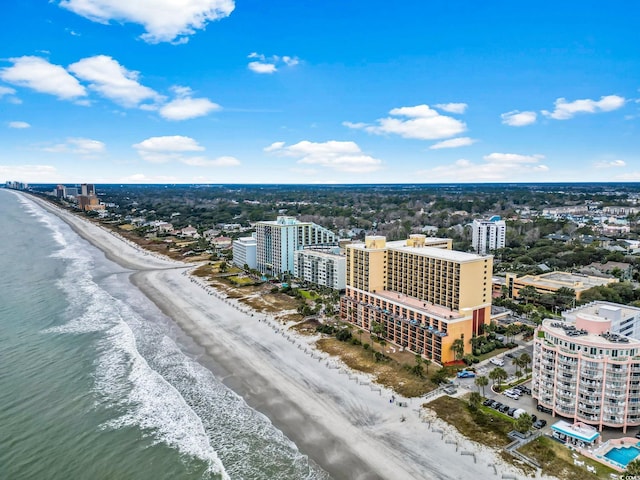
x: 581, y: 431
x: 434, y: 252
x: 566, y: 279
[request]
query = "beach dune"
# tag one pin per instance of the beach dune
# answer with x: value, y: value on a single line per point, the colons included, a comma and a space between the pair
x: 338, y: 418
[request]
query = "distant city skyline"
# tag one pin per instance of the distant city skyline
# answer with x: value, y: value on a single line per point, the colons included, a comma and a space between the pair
x: 217, y: 91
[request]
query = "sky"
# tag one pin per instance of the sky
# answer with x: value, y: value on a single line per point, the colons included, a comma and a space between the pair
x: 319, y: 91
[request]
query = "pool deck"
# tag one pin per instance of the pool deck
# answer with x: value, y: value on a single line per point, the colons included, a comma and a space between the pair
x: 598, y: 453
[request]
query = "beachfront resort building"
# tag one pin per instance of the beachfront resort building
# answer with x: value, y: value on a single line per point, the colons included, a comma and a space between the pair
x: 587, y: 366
x: 321, y: 268
x: 422, y: 294
x: 551, y: 282
x: 244, y: 252
x: 488, y: 235
x: 278, y: 240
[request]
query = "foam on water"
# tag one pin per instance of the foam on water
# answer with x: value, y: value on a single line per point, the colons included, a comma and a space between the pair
x: 144, y: 377
x: 123, y: 379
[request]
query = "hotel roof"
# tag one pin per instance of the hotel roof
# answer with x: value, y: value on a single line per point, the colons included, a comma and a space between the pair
x: 434, y: 252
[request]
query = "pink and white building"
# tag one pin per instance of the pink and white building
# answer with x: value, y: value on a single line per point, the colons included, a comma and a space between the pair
x: 585, y: 370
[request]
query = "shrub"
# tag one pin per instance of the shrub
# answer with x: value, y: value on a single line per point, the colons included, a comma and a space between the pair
x: 366, y: 346
x: 343, y: 335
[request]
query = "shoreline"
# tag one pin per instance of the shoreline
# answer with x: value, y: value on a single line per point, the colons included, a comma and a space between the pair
x: 343, y: 424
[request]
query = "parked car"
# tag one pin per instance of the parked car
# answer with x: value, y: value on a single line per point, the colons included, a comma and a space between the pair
x: 534, y: 417
x: 518, y: 412
x: 504, y: 409
x: 510, y: 411
x: 526, y: 390
x: 511, y: 394
x: 487, y: 402
x: 510, y: 355
x: 539, y: 424
x: 497, y: 405
x: 466, y: 374
x: 543, y: 409
x: 497, y: 361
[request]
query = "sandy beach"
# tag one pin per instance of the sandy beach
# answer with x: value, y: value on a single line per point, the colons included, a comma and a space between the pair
x: 337, y: 417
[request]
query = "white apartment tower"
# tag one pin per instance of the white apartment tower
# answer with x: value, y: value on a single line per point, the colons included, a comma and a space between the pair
x: 322, y: 268
x: 244, y: 252
x: 277, y: 242
x: 488, y: 235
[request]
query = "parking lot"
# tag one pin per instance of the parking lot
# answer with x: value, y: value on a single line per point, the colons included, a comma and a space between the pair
x: 525, y: 402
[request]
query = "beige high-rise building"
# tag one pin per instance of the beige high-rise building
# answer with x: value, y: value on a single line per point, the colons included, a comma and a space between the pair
x: 424, y: 294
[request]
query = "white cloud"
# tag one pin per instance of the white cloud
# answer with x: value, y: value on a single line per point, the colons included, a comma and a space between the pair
x: 177, y: 148
x: 78, y: 146
x: 6, y: 91
x: 516, y: 118
x: 216, y: 162
x: 497, y: 167
x: 340, y: 156
x: 40, y: 75
x: 259, y: 67
x: 452, y: 107
x: 453, y: 143
x: 111, y: 80
x: 29, y: 173
x: 267, y: 65
x: 565, y: 110
x: 165, y: 149
x: 185, y: 107
x: 610, y: 164
x: 18, y: 124
x: 164, y: 20
x: 421, y: 122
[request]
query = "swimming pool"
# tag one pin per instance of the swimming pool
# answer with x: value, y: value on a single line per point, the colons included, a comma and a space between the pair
x: 623, y: 455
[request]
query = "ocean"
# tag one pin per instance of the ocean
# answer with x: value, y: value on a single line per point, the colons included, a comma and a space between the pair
x: 97, y: 383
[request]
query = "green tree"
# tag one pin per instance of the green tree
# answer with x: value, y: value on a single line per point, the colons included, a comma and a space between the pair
x: 526, y: 360
x: 418, y: 369
x: 475, y: 399
x: 523, y: 423
x: 223, y: 267
x: 498, y: 375
x: 481, y: 381
x: 458, y: 348
x: 427, y: 362
x: 528, y: 293
x: 633, y: 468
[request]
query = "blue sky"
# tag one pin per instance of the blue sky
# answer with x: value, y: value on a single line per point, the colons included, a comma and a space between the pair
x: 311, y: 91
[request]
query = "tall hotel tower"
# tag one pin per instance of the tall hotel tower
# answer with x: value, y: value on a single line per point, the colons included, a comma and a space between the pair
x: 423, y: 294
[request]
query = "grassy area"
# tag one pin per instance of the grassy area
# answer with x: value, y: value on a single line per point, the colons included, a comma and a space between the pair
x: 241, y: 281
x: 389, y: 373
x: 556, y: 460
x: 482, y: 426
x: 308, y: 294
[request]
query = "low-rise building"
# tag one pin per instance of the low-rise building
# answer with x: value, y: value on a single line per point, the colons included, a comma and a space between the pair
x: 553, y: 281
x: 321, y: 268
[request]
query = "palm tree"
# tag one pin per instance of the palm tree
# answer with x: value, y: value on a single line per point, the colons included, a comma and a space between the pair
x: 481, y: 381
x: 526, y: 360
x: 498, y: 375
x: 474, y: 400
x: 427, y: 362
x: 458, y: 348
x: 516, y: 361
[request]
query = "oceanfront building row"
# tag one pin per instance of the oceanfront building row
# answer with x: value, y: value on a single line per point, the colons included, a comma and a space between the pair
x: 587, y: 366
